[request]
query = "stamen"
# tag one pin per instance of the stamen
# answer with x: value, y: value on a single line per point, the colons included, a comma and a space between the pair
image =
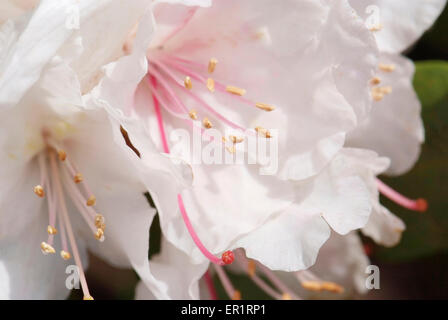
x: 235, y: 90
x: 376, y: 27
x: 210, y: 85
x: 99, y: 221
x: 39, y: 191
x: 212, y: 65
x: 65, y: 217
x: 65, y: 255
x: 264, y: 132
x: 87, y: 298
x: 99, y: 235
x: 187, y: 222
x: 193, y: 115
x: 311, y: 282
x: 187, y: 82
x: 386, y: 67
x: 227, y: 284
x: 91, y: 201
x: 46, y: 248
x: 62, y: 155
x: 207, y: 124
x: 251, y: 268
x: 52, y: 230
x: 375, y: 81
x: 78, y: 178
x: 264, y: 106
x: 236, y: 139
x: 420, y: 204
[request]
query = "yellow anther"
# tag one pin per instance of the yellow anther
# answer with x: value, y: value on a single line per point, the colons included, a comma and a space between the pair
x: 99, y: 220
x: 65, y: 255
x: 212, y: 65
x: 46, y: 248
x: 187, y: 83
x: 224, y: 139
x: 39, y: 191
x: 91, y: 201
x: 52, y: 230
x: 264, y: 132
x: 264, y: 106
x: 251, y: 268
x: 99, y: 234
x: 386, y: 67
x: 207, y: 124
x: 193, y: 115
x: 211, y: 85
x: 235, y: 90
x: 376, y: 27
x: 236, y: 139
x: 286, y: 296
x: 62, y: 155
x: 236, y: 295
x: 312, y: 285
x: 77, y: 178
x: 332, y: 287
x: 378, y: 93
x: 375, y: 81
x: 87, y: 298
x: 103, y: 227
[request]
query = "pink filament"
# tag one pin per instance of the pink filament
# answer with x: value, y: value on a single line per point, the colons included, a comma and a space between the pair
x: 415, y: 205
x: 210, y: 286
x: 187, y: 222
x: 226, y: 283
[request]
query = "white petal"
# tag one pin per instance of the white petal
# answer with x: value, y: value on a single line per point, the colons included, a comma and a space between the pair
x: 394, y: 128
x: 37, y: 39
x: 401, y: 22
x: 384, y: 227
x: 175, y: 270
x: 290, y: 241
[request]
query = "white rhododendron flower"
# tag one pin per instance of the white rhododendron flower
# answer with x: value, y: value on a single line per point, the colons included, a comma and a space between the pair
x: 204, y: 73
x: 67, y: 172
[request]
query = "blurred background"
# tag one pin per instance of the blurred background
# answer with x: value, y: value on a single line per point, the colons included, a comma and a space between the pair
x: 417, y: 268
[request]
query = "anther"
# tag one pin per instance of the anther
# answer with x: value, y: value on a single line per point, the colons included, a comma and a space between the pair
x: 91, y: 201
x: 286, y: 296
x: 78, y: 178
x: 65, y: 255
x: 193, y: 115
x: 375, y: 81
x: 376, y: 27
x: 46, y: 248
x: 99, y: 221
x: 212, y: 65
x: 235, y: 90
x: 312, y: 285
x: 251, y: 268
x: 99, y: 234
x: 236, y: 139
x: 87, y: 298
x: 332, y: 287
x: 264, y: 106
x: 52, y: 230
x: 211, y: 85
x: 187, y: 82
x: 228, y: 257
x: 386, y: 67
x: 62, y: 155
x: 231, y: 149
x: 264, y: 132
x: 39, y: 191
x: 236, y: 295
x: 207, y: 124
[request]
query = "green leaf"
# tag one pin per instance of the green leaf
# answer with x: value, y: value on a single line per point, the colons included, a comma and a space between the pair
x: 427, y: 233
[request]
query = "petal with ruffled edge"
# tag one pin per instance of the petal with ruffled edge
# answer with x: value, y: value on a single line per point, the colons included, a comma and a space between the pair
x: 394, y: 128
x: 22, y: 56
x: 174, y: 267
x: 400, y: 22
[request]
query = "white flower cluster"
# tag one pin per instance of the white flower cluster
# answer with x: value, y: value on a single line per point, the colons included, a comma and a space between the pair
x: 93, y: 92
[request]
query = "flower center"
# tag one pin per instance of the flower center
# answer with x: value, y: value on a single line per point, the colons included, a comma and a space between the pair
x: 60, y: 178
